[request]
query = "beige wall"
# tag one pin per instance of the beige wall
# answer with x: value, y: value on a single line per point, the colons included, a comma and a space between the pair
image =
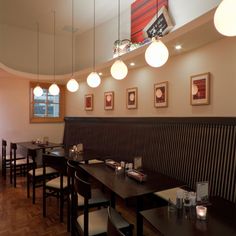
x: 14, y: 114
x: 217, y: 58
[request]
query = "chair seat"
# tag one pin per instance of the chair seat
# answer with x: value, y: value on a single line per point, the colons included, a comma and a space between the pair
x: 22, y: 162
x: 39, y: 171
x: 98, y: 221
x: 97, y: 197
x: 18, y: 156
x: 55, y: 183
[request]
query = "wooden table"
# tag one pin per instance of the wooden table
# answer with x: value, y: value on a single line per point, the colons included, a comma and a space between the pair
x: 125, y: 187
x: 221, y: 220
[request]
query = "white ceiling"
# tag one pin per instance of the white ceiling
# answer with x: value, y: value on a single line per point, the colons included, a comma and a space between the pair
x: 25, y: 13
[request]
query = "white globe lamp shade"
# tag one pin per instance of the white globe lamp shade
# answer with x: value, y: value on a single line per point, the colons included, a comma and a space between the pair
x: 38, y: 91
x: 156, y: 54
x: 93, y: 80
x: 72, y: 85
x: 119, y: 70
x: 54, y: 89
x: 225, y: 18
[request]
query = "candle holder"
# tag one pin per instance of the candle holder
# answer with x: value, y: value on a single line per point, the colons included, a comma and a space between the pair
x: 201, y: 212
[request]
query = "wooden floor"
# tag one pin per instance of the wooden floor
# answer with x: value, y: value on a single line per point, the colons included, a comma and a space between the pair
x: 19, y: 217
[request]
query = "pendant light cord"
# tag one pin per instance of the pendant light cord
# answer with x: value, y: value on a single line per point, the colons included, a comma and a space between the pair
x: 37, y: 51
x: 54, y: 45
x: 94, y: 36
x: 118, y: 30
x: 72, y: 40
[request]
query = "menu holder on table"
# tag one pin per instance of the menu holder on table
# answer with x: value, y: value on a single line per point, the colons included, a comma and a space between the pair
x: 112, y: 164
x: 137, y: 175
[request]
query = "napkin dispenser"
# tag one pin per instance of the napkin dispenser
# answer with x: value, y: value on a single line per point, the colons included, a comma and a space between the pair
x: 137, y: 175
x: 112, y: 164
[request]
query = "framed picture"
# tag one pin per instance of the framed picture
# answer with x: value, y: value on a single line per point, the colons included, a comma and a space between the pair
x: 109, y: 100
x: 200, y: 89
x: 88, y: 102
x: 131, y: 98
x: 161, y: 94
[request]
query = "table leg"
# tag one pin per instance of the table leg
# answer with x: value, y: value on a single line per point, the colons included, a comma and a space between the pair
x: 139, y: 218
x: 113, y: 200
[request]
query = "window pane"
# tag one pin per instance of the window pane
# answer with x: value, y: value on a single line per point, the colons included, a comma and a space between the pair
x: 53, y: 99
x: 53, y: 110
x: 40, y: 109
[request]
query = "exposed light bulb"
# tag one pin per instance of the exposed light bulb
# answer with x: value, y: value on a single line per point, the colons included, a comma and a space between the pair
x: 225, y: 18
x: 93, y: 80
x: 157, y: 53
x: 38, y: 91
x: 72, y: 85
x: 119, y: 70
x: 54, y: 89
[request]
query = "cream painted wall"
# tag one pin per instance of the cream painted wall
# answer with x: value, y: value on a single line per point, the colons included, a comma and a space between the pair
x: 106, y: 34
x: 14, y: 114
x: 217, y: 58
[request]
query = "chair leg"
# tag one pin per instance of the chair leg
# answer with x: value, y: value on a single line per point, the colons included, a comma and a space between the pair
x: 10, y: 173
x: 44, y: 202
x: 61, y: 206
x: 68, y: 215
x: 14, y: 175
x: 33, y: 197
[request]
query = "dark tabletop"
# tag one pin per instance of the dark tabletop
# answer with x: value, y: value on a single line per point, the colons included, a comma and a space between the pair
x: 35, y: 146
x: 221, y: 220
x: 124, y: 186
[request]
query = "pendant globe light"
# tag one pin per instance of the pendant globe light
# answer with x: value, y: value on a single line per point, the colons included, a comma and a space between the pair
x: 119, y: 70
x: 225, y: 18
x: 72, y: 85
x: 157, y: 54
x: 54, y: 89
x: 93, y: 79
x: 38, y: 91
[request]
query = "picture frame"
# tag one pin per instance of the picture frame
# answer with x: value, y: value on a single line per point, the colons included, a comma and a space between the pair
x: 109, y: 100
x: 200, y: 89
x: 132, y: 98
x: 161, y: 94
x: 88, y: 102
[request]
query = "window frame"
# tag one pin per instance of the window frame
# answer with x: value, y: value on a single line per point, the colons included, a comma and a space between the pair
x: 34, y: 119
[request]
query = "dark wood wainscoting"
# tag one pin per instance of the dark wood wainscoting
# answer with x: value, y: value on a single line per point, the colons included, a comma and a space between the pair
x: 189, y: 149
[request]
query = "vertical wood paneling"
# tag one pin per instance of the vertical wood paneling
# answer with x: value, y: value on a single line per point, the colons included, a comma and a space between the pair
x: 188, y: 149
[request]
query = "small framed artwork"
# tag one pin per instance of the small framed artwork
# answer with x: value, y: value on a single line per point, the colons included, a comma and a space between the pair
x: 88, y: 102
x: 161, y: 94
x: 131, y: 98
x: 109, y: 100
x: 200, y: 89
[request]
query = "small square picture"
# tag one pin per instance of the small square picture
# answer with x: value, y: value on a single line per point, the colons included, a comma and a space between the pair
x: 200, y: 89
x: 88, y: 102
x: 109, y: 100
x: 131, y: 98
x: 161, y: 94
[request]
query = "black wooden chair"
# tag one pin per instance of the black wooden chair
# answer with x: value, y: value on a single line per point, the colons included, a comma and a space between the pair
x: 112, y: 230
x: 6, y: 158
x: 17, y: 166
x: 94, y: 222
x: 56, y: 187
x: 99, y: 199
x: 35, y: 174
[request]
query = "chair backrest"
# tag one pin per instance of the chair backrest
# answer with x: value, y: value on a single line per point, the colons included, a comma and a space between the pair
x: 56, y: 162
x: 4, y: 148
x: 112, y: 230
x: 13, y: 148
x: 84, y: 189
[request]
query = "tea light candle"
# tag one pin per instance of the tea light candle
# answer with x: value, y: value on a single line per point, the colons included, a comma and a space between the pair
x: 201, y: 212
